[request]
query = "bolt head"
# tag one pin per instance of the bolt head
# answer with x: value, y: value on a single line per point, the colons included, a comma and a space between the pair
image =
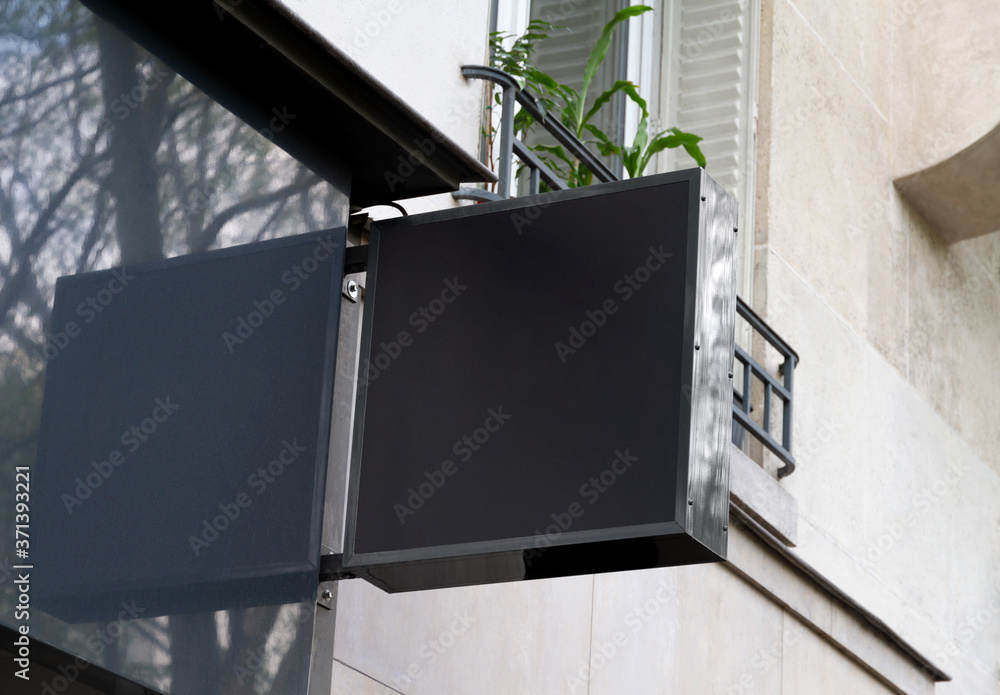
x: 351, y: 290
x: 327, y: 594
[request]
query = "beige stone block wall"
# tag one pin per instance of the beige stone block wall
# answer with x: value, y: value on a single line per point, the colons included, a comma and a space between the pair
x: 694, y: 629
x: 897, y: 396
x: 503, y: 638
x: 827, y: 181
x: 954, y: 331
x: 899, y: 333
x: 813, y: 666
x: 895, y: 506
x: 945, y: 78
x: 827, y: 206
x: 686, y: 630
x: 858, y: 34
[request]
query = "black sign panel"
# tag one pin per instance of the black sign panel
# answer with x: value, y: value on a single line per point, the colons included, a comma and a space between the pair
x: 527, y: 379
x: 185, y: 429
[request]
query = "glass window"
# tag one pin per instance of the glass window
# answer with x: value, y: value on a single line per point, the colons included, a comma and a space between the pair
x: 695, y: 62
x: 109, y: 157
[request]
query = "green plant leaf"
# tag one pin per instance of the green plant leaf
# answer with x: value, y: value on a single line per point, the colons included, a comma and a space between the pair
x: 543, y: 79
x: 695, y: 153
x: 556, y: 150
x: 605, y: 144
x: 662, y: 142
x: 555, y: 99
x: 600, y: 50
x: 568, y: 115
x: 619, y: 86
x: 522, y: 121
x: 686, y: 137
x: 690, y: 142
x: 671, y: 139
x: 658, y: 144
x: 631, y: 156
x: 641, y: 137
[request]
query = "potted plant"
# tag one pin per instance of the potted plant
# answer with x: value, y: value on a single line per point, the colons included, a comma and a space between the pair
x: 569, y: 105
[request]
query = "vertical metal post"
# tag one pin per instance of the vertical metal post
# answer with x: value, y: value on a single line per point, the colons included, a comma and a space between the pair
x: 534, y: 183
x: 747, y: 376
x: 506, y: 142
x: 788, y: 367
x: 767, y: 406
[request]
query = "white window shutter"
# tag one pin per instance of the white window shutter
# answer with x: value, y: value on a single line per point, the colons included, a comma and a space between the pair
x: 564, y: 57
x: 710, y: 80
x: 565, y: 54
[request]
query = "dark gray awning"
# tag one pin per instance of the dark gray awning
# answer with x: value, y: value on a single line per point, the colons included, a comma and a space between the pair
x: 261, y: 62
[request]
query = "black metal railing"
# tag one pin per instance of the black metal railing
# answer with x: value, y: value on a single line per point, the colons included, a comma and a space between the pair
x: 510, y: 146
x: 772, y: 387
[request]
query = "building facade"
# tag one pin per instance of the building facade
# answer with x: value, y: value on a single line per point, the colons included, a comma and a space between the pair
x: 859, y: 140
x: 880, y: 568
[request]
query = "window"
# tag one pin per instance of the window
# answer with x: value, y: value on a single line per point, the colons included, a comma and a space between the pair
x: 108, y: 157
x: 695, y: 62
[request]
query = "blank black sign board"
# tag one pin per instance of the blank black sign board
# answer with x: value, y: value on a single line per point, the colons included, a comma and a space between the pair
x: 545, y: 387
x: 185, y: 427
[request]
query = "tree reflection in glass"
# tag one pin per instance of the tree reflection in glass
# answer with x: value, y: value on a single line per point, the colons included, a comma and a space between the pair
x: 108, y: 157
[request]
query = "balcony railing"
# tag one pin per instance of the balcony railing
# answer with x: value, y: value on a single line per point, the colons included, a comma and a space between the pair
x: 772, y: 387
x: 510, y: 146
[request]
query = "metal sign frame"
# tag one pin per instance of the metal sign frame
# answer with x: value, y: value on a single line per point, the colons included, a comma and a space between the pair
x: 162, y: 590
x: 697, y: 530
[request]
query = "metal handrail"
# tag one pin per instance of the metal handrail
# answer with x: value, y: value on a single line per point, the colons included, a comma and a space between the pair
x: 772, y: 387
x: 511, y: 146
